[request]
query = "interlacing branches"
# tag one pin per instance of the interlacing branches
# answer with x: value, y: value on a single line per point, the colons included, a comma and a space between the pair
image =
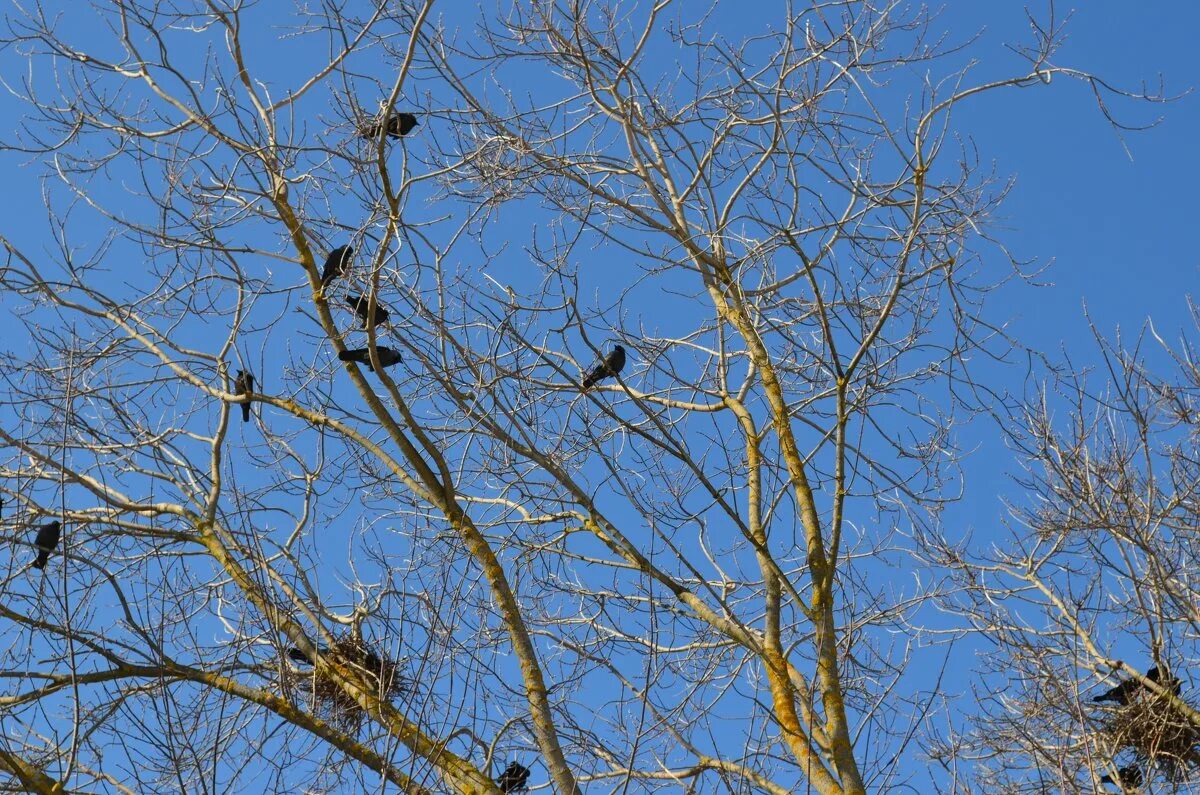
x: 430, y: 550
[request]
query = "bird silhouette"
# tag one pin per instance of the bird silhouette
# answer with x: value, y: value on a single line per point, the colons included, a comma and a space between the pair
x: 387, y: 356
x: 514, y: 778
x: 244, y: 385
x: 1127, y: 688
x: 612, y: 364
x: 298, y: 656
x: 360, y: 304
x: 396, y: 126
x: 336, y: 264
x: 1130, y: 777
x: 46, y: 540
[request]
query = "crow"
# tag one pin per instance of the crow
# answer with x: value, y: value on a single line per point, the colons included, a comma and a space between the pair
x: 513, y: 778
x: 47, y: 539
x: 1124, y: 690
x: 298, y: 656
x: 608, y: 368
x: 387, y: 356
x: 396, y: 126
x: 1130, y: 777
x: 336, y: 264
x: 360, y: 305
x: 244, y: 385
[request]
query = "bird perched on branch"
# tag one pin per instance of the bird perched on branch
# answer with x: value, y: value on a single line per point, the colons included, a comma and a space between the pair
x: 1127, y: 688
x: 336, y: 264
x: 396, y: 126
x: 1130, y: 777
x: 296, y: 655
x: 514, y: 778
x: 244, y: 385
x: 46, y: 541
x: 360, y: 304
x: 612, y: 364
x: 387, y: 356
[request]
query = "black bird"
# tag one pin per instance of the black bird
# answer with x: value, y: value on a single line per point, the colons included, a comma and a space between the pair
x: 47, y: 539
x: 513, y: 778
x: 396, y: 126
x: 1130, y: 777
x: 387, y: 356
x: 296, y: 655
x: 244, y: 385
x: 336, y: 264
x: 1124, y: 690
x: 360, y: 304
x: 608, y: 368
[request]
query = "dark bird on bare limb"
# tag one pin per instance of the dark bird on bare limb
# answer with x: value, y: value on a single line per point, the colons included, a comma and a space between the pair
x: 1130, y: 777
x: 244, y: 385
x: 612, y: 364
x: 514, y: 778
x: 336, y: 264
x: 387, y: 356
x: 396, y: 126
x: 295, y: 655
x: 1127, y: 688
x: 360, y: 304
x: 46, y: 541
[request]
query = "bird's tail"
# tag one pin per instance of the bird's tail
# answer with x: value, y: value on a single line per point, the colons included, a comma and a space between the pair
x: 245, y: 412
x: 41, y: 561
x: 371, y: 131
x: 359, y: 355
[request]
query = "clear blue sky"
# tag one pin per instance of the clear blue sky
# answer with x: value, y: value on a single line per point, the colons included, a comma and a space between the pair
x: 1118, y: 229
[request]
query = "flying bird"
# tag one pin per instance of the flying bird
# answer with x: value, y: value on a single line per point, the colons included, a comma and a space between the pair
x: 360, y: 304
x: 1130, y: 777
x: 336, y: 264
x: 396, y: 126
x: 244, y: 385
x: 387, y: 356
x: 1124, y: 690
x: 608, y: 368
x: 514, y: 778
x: 46, y: 540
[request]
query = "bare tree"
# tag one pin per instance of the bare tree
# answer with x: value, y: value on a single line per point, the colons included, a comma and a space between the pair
x: 1092, y: 606
x: 432, y: 551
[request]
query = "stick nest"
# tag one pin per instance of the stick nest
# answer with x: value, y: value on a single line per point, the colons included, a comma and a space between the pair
x: 329, y: 698
x: 1156, y: 732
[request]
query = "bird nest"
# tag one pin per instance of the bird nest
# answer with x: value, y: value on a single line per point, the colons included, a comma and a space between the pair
x: 381, y: 673
x: 1156, y: 732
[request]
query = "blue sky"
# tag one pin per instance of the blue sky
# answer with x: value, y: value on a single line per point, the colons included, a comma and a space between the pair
x: 1117, y: 229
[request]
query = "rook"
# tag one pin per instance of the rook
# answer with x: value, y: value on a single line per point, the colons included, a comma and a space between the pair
x: 1127, y: 688
x: 387, y: 356
x: 336, y: 264
x: 360, y: 304
x: 1130, y: 777
x: 396, y: 126
x: 514, y: 778
x: 608, y: 368
x: 47, y: 539
x: 244, y: 385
